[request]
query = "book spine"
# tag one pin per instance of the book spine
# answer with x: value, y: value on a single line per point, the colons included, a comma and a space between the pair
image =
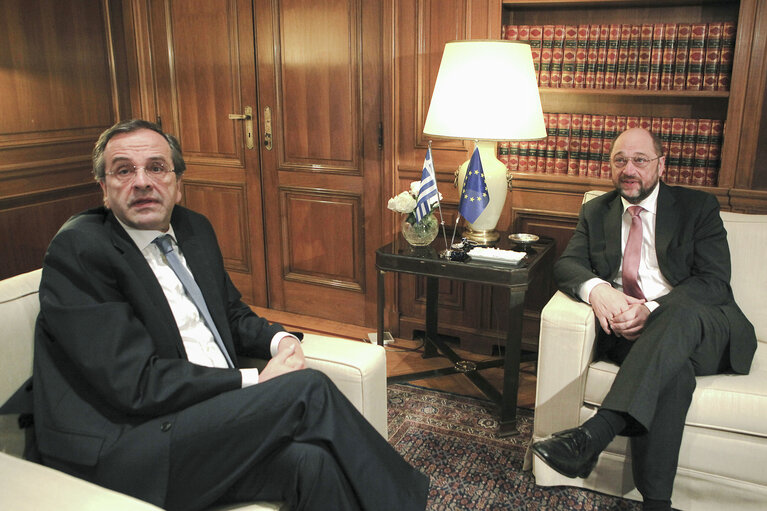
x: 547, y: 47
x: 552, y: 130
x: 510, y: 32
x: 540, y: 149
x: 532, y: 153
x: 682, y: 54
x: 574, y: 149
x: 696, y: 56
x: 503, y: 153
x: 591, y: 56
x: 632, y: 121
x: 562, y: 143
x: 726, y: 55
x: 713, y: 52
x: 714, y: 153
x: 664, y: 133
x: 611, y: 67
x: 655, y: 129
x: 604, y: 36
x: 633, y: 58
x: 582, y: 49
x: 645, y: 51
x: 702, y: 142
x: 688, y: 151
x: 675, y: 150
x: 583, y: 164
x: 620, y: 123
x: 557, y: 56
x: 656, y: 56
x: 623, y: 55
x: 513, y: 165
x: 524, y: 155
x: 610, y: 132
x: 568, y: 58
x: 596, y: 145
x: 665, y: 138
x: 667, y: 57
x: 534, y: 35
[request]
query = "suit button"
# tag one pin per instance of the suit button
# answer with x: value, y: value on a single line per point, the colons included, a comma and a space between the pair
x: 165, y: 427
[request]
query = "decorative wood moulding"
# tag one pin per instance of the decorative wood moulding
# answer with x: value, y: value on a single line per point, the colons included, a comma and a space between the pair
x: 748, y: 201
x: 310, y: 218
x: 225, y: 206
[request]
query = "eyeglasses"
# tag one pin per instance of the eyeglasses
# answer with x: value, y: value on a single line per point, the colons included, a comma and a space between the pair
x: 125, y: 173
x: 639, y: 162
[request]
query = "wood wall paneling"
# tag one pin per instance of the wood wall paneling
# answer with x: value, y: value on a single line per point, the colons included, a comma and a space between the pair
x: 227, y: 212
x: 319, y: 85
x: 59, y: 89
x: 314, y: 254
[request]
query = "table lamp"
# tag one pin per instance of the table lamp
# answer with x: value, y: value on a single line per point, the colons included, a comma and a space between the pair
x: 486, y: 91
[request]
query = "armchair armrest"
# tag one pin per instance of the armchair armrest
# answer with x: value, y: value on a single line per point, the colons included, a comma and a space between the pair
x: 358, y: 369
x: 565, y: 350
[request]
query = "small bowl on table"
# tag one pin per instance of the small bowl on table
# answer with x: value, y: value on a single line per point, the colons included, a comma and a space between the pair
x: 523, y: 240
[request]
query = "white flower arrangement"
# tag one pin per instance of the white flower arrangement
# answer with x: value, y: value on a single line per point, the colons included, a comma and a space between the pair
x: 405, y: 202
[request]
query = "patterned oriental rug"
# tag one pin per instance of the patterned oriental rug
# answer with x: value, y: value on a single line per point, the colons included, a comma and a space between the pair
x: 451, y: 438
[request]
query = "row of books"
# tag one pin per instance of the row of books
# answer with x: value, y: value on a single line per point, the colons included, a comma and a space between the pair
x: 662, y: 56
x: 579, y: 145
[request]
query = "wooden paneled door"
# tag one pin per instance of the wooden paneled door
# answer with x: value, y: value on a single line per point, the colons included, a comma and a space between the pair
x: 202, y: 74
x: 320, y: 84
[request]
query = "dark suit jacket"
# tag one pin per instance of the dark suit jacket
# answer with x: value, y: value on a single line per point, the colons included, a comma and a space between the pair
x: 692, y: 250
x: 110, y: 368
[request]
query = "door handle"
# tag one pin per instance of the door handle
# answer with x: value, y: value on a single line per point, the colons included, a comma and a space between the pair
x: 248, y: 118
x: 268, y: 128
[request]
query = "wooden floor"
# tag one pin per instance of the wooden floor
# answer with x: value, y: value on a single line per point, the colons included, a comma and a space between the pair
x: 404, y: 356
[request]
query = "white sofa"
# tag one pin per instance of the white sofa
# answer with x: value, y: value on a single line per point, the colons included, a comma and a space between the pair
x: 723, y: 458
x: 358, y: 369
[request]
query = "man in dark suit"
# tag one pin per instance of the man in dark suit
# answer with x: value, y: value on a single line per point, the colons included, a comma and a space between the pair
x: 657, y: 277
x: 136, y: 391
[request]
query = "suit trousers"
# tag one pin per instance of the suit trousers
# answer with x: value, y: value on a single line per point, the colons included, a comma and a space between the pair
x: 294, y: 438
x: 655, y: 383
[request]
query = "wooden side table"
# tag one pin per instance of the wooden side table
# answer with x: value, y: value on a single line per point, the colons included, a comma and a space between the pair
x: 399, y: 256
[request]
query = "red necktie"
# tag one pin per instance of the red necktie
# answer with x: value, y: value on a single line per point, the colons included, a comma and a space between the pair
x: 632, y: 254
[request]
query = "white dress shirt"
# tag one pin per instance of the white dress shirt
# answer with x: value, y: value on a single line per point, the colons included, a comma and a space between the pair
x: 650, y: 279
x: 199, y: 344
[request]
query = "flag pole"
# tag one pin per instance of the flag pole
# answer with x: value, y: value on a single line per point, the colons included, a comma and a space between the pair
x: 439, y: 204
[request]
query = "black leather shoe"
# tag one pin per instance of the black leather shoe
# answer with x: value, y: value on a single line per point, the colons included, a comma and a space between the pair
x: 572, y: 452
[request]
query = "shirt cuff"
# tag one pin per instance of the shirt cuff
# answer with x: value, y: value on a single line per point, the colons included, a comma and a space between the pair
x: 275, y: 344
x: 585, y: 291
x: 652, y: 305
x: 249, y: 376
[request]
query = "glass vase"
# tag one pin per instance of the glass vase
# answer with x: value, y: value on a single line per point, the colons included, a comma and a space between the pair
x: 420, y: 234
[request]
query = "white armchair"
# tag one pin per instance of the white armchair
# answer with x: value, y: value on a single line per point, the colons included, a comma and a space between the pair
x: 724, y: 448
x: 358, y: 369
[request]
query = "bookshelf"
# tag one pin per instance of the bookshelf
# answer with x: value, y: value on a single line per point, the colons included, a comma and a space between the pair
x: 625, y: 98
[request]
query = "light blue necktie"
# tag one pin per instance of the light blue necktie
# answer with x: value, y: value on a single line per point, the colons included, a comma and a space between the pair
x: 165, y: 245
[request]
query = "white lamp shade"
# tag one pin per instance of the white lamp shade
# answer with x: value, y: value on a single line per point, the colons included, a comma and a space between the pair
x: 486, y: 90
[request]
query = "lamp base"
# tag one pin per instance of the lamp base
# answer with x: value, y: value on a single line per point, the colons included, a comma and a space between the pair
x: 481, y: 236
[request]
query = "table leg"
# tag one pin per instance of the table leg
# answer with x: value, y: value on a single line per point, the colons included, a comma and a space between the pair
x: 381, y: 298
x: 432, y: 297
x: 508, y: 423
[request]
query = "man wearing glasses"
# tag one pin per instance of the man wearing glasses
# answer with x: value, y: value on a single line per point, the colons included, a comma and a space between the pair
x: 653, y: 262
x: 136, y: 382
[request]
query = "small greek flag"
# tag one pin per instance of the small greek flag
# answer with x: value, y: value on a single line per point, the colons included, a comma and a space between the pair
x: 427, y: 194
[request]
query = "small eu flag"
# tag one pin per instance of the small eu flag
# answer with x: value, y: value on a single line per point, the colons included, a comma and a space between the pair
x: 474, y: 197
x: 427, y: 194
